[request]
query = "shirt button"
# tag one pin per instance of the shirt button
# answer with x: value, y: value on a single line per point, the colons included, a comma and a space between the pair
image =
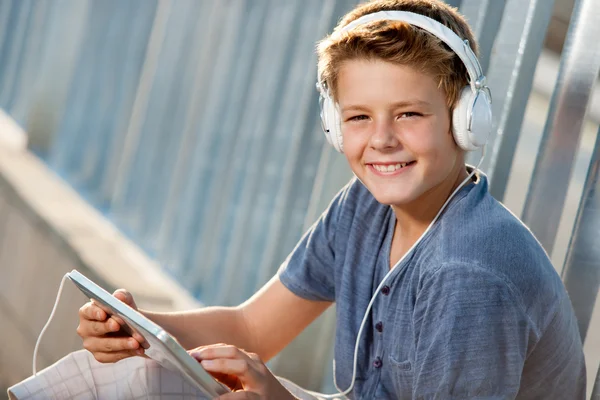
x: 377, y: 363
x: 379, y: 326
x: 385, y: 290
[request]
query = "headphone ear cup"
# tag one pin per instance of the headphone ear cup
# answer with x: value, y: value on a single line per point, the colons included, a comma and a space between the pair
x: 331, y: 121
x: 481, y: 124
x: 324, y: 119
x: 459, y: 120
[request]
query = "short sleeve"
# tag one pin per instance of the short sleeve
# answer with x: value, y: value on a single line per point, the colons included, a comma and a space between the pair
x: 309, y: 269
x: 471, y: 336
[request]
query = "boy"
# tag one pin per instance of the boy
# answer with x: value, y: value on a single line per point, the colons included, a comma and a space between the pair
x: 441, y: 292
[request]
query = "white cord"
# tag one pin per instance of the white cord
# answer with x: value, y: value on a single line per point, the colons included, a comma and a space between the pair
x: 364, y: 320
x: 37, y: 344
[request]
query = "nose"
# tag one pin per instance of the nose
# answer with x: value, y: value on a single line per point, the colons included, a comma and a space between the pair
x: 384, y: 137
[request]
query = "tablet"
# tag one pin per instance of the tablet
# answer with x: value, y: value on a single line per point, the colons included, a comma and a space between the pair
x: 163, y: 348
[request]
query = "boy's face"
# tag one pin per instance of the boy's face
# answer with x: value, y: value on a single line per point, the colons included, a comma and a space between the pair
x: 396, y: 131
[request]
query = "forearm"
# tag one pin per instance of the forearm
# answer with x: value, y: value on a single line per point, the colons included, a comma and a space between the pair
x: 206, y: 326
x: 264, y: 324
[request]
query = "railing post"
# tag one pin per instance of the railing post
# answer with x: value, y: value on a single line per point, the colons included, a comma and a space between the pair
x: 515, y: 52
x: 581, y: 272
x: 560, y: 140
x: 596, y: 390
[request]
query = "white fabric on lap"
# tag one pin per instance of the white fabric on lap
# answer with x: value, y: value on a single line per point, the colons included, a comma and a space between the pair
x: 78, y: 376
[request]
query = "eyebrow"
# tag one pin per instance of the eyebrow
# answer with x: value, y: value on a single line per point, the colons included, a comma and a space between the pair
x: 399, y: 104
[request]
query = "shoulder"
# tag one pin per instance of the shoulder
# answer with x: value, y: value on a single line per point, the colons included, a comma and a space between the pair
x: 481, y: 236
x: 482, y: 231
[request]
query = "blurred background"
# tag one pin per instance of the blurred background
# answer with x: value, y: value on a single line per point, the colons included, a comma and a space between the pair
x: 173, y: 147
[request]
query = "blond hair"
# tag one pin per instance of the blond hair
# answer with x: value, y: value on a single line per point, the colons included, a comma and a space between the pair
x: 399, y: 43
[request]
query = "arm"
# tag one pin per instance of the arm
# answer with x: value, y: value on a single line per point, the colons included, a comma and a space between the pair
x: 471, y: 336
x: 263, y: 324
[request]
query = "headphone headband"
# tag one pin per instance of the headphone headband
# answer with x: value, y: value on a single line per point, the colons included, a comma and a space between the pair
x: 461, y: 48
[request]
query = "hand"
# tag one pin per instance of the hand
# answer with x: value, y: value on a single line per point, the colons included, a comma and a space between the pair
x: 244, y: 373
x: 103, y: 336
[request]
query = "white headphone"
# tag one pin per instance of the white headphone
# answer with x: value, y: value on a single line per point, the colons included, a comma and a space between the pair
x: 472, y: 115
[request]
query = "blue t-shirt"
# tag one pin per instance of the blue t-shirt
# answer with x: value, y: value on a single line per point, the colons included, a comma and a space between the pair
x: 476, y: 311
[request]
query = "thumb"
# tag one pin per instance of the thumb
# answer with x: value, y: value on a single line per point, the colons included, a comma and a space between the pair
x: 125, y: 297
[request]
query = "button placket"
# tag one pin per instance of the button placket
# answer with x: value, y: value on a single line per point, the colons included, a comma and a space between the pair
x: 379, y: 307
x: 378, y: 363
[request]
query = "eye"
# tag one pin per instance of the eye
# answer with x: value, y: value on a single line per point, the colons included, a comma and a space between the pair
x: 358, y: 118
x: 410, y: 114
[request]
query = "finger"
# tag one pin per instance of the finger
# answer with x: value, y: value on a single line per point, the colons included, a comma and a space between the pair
x: 209, y: 346
x: 109, y: 328
x: 118, y: 319
x: 127, y: 330
x: 238, y: 368
x: 219, y: 351
x: 94, y: 328
x: 102, y: 328
x: 114, y: 356
x: 92, y: 312
x: 101, y: 306
x: 125, y: 297
x: 95, y: 311
x: 141, y: 340
x: 107, y: 345
x: 112, y: 325
x: 241, y: 395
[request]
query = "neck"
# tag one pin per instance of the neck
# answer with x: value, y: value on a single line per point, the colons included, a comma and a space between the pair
x: 413, y: 219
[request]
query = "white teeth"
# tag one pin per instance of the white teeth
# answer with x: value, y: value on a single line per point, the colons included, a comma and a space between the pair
x: 389, y: 168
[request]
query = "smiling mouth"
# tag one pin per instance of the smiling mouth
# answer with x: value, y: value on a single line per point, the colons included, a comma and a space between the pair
x: 391, y: 167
